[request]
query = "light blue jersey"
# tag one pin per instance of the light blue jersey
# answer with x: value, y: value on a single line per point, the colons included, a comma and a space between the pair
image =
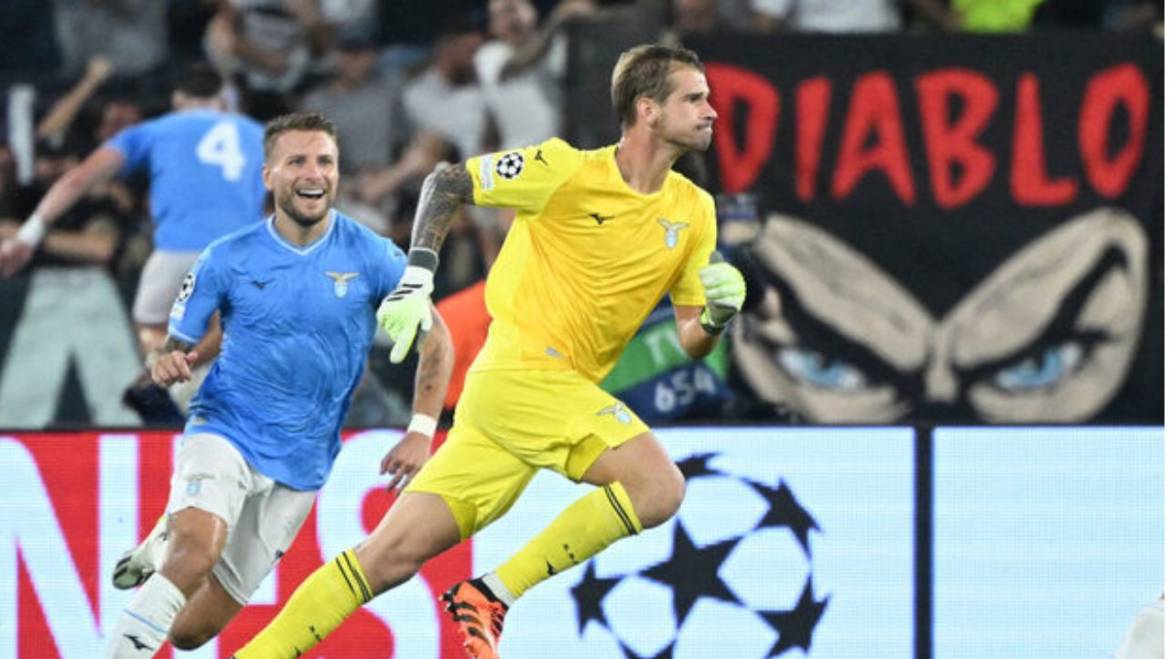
x: 298, y: 323
x: 205, y: 179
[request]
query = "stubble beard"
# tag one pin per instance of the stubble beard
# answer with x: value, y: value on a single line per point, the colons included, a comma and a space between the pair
x: 288, y: 204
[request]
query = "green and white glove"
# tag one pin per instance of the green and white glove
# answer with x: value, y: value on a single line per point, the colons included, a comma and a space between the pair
x: 725, y: 291
x: 408, y: 307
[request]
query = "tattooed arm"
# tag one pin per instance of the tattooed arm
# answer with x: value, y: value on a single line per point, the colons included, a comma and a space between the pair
x: 436, y: 360
x: 408, y: 307
x: 435, y: 363
x: 443, y: 192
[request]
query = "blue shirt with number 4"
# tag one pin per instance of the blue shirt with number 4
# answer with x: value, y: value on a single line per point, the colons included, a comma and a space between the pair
x: 297, y: 327
x: 205, y: 179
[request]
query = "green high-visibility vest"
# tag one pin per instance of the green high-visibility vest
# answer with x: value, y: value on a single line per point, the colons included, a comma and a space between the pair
x: 996, y: 15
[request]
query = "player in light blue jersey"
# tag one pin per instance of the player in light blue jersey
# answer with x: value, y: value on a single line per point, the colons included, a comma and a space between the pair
x: 204, y: 167
x: 297, y: 295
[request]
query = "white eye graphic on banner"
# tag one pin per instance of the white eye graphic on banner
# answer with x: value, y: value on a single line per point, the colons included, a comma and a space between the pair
x: 1048, y: 336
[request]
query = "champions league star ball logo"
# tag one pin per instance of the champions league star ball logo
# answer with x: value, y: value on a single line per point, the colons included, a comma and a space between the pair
x: 733, y: 579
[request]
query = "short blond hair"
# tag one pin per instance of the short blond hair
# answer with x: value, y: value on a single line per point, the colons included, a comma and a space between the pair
x: 645, y: 71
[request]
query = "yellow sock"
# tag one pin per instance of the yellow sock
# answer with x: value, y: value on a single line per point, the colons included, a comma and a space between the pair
x: 319, y: 606
x: 590, y: 524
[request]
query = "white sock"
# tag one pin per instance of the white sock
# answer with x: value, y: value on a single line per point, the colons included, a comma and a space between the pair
x: 143, y: 626
x: 498, y: 589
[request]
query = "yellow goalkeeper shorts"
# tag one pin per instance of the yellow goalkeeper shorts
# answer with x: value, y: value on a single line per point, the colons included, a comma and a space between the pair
x: 508, y: 424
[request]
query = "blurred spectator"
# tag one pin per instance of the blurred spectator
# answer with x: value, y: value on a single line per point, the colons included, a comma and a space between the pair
x: 445, y: 97
x: 118, y: 239
x: 381, y: 187
x: 995, y: 15
x: 828, y: 15
x: 352, y: 19
x: 362, y: 104
x: 695, y: 17
x: 849, y: 16
x: 70, y: 116
x: 69, y: 289
x: 54, y: 126
x: 269, y: 44
x: 92, y: 232
x: 117, y: 114
x: 521, y: 70
x: 131, y: 34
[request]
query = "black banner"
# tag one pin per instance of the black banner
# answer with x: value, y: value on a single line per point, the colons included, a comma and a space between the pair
x: 959, y: 228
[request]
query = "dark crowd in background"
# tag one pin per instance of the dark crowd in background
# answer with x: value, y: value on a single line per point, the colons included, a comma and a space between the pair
x: 410, y: 83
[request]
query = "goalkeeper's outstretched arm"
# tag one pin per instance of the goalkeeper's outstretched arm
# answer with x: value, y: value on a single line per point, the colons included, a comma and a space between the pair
x: 408, y: 307
x: 443, y: 192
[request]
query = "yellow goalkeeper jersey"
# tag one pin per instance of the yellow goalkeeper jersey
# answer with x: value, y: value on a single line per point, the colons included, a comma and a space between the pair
x: 587, y: 257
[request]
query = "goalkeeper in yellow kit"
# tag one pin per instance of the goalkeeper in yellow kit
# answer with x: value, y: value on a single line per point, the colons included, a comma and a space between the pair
x: 599, y: 237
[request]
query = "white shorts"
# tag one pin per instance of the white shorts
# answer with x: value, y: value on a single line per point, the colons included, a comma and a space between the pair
x: 159, y: 285
x: 263, y: 516
x: 1143, y: 639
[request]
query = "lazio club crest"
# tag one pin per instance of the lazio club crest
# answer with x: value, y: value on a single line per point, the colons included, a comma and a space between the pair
x: 340, y: 281
x: 672, y: 229
x: 618, y: 411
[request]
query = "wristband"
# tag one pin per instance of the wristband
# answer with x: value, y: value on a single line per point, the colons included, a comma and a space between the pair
x: 423, y: 258
x: 710, y: 327
x: 32, y: 231
x: 423, y: 423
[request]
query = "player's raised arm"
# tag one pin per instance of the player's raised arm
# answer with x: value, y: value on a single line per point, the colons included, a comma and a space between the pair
x: 699, y: 327
x: 443, y: 192
x: 101, y: 166
x: 408, y: 307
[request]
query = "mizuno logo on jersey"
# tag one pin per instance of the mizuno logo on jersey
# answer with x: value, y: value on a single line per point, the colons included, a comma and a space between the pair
x: 601, y: 219
x: 672, y: 229
x: 340, y: 281
x: 260, y: 284
x: 539, y: 157
x: 138, y: 644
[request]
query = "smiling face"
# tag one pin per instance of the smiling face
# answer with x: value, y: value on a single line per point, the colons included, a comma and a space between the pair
x: 301, y: 171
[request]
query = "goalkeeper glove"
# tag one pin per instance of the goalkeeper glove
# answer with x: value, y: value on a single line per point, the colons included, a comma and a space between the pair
x: 408, y: 307
x: 725, y: 291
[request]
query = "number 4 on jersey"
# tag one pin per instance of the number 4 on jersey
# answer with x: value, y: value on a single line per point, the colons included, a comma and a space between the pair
x: 220, y: 146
